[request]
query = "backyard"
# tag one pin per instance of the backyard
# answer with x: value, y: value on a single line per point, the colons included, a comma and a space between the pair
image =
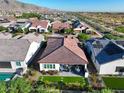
x: 62, y: 82
x: 64, y: 79
x: 114, y: 82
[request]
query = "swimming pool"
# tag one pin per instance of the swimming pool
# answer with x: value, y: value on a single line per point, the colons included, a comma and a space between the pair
x: 4, y: 76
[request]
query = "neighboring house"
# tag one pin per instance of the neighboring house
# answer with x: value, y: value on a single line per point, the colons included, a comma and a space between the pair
x: 94, y: 33
x: 34, y: 37
x: 40, y: 25
x: 4, y: 20
x: 79, y: 27
x: 21, y: 23
x: 63, y: 54
x: 58, y: 26
x: 15, y: 55
x: 107, y: 56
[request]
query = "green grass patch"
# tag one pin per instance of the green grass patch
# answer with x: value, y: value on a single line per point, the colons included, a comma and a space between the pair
x: 115, y: 37
x: 64, y: 79
x: 114, y: 82
x: 51, y: 78
x: 61, y: 82
x: 73, y: 79
x: 120, y: 29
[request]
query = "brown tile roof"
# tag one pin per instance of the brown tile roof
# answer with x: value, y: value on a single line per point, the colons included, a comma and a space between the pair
x: 53, y: 43
x: 42, y: 23
x: 63, y: 51
x: 72, y: 45
x: 58, y: 25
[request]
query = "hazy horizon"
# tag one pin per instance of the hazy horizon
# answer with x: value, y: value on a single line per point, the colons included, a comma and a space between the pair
x: 81, y: 5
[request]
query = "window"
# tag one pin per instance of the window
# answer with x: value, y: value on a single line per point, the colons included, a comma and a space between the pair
x: 5, y: 65
x: 18, y: 64
x: 54, y: 66
x: 119, y: 69
x: 49, y: 66
x: 45, y: 66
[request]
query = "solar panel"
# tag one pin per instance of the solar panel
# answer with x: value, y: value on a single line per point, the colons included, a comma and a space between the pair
x: 112, y: 49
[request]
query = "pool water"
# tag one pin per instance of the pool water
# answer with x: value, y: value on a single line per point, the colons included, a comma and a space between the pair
x: 4, y: 76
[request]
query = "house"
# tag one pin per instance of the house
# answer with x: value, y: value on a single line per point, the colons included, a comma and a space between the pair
x: 79, y: 27
x: 20, y: 23
x: 4, y: 20
x: 107, y: 56
x: 40, y: 25
x: 63, y: 54
x: 15, y: 56
x: 34, y: 37
x: 58, y: 26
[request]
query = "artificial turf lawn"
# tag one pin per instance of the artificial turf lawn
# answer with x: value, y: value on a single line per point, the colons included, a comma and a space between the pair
x: 114, y: 82
x: 64, y: 79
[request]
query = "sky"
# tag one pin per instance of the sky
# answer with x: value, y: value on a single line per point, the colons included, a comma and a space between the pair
x: 81, y: 5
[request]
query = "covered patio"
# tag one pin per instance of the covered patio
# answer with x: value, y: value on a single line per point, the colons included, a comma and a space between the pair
x: 72, y: 70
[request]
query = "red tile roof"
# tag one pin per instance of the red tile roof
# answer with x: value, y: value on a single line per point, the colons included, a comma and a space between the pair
x: 58, y: 25
x: 61, y: 50
x: 72, y: 45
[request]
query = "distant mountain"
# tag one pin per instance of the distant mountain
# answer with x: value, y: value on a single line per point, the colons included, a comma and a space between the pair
x: 13, y: 6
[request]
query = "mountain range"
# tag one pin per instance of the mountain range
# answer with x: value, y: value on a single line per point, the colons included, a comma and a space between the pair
x: 13, y: 6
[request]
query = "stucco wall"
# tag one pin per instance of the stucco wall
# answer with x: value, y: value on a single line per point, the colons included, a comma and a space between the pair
x: 110, y: 68
x: 31, y: 52
x: 14, y: 67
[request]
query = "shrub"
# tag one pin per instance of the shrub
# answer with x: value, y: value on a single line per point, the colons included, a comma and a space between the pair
x: 106, y: 91
x: 43, y: 72
x: 25, y: 75
x: 30, y: 15
x: 52, y: 72
x: 73, y: 86
x: 89, y: 88
x: 120, y: 29
x: 3, y: 28
x: 68, y: 31
x: 3, y: 87
x: 26, y: 31
x: 83, y: 36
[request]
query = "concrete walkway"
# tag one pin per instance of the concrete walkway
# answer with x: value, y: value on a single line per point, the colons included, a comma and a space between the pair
x: 67, y: 74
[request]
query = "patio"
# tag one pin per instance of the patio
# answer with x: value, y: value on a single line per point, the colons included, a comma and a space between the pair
x: 72, y: 70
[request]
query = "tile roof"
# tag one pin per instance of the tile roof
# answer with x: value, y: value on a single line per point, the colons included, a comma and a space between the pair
x: 34, y: 37
x: 42, y: 23
x: 13, y: 49
x: 58, y: 25
x: 62, y: 50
